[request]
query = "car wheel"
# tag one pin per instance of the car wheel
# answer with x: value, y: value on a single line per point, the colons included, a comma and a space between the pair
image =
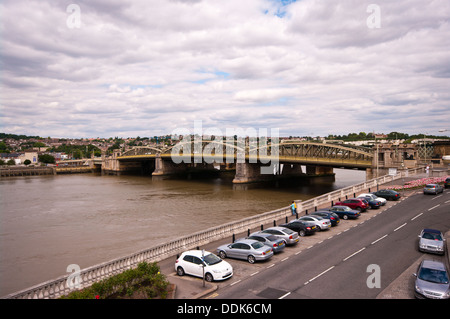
x: 302, y: 233
x: 345, y: 217
x: 180, y: 271
x: 222, y: 254
x: 251, y: 259
x: 209, y: 277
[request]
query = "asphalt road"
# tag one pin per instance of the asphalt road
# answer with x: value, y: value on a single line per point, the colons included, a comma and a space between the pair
x: 339, y: 263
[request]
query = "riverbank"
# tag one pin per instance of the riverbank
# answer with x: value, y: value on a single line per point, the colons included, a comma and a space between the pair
x: 36, y: 171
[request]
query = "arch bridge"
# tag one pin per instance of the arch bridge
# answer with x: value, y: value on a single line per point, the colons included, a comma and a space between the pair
x: 252, y: 161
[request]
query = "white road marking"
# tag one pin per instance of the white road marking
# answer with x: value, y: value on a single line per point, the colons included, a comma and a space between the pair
x: 434, y: 207
x: 357, y: 252
x: 379, y: 239
x: 285, y: 295
x: 399, y: 227
x: 323, y: 272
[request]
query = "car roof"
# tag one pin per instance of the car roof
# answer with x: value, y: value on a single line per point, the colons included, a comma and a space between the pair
x: 260, y: 233
x: 317, y: 217
x: 197, y: 253
x: 433, y: 264
x: 247, y: 241
x: 277, y: 228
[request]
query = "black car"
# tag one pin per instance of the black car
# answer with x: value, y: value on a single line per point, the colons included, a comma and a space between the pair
x: 303, y: 228
x: 389, y: 194
x: 333, y: 217
x: 447, y: 182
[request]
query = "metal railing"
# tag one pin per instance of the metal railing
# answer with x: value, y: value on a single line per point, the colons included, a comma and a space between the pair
x: 63, y: 285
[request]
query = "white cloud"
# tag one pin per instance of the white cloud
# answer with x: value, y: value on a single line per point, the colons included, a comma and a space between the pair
x: 147, y: 67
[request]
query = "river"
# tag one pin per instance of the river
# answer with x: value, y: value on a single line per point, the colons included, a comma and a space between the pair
x: 50, y: 222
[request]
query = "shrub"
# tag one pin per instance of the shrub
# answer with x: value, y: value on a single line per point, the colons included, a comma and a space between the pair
x: 146, y: 276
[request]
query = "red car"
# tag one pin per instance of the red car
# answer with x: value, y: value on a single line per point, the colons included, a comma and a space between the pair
x: 354, y: 203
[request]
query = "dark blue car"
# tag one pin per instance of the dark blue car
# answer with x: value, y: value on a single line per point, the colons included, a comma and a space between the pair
x: 345, y: 212
x: 373, y: 203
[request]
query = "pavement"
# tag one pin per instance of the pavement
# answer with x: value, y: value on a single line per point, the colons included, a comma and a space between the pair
x: 188, y: 287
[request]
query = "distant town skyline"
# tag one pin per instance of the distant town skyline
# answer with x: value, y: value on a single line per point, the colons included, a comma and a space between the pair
x: 147, y: 68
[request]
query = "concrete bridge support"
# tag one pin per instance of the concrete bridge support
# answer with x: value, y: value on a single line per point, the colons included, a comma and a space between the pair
x: 250, y: 173
x: 167, y: 167
x: 292, y: 170
x: 316, y: 170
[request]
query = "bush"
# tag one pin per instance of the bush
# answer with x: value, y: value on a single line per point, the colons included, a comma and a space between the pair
x: 145, y: 278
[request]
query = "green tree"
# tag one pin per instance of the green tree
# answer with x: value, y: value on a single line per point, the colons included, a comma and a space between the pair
x: 46, y: 158
x: 27, y: 162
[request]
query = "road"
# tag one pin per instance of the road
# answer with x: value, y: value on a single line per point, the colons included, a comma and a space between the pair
x: 334, y: 264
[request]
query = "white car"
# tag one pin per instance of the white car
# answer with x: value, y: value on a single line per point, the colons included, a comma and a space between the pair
x: 381, y: 199
x: 192, y: 263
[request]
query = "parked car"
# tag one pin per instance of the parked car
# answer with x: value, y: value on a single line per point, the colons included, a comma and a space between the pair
x: 432, y: 241
x: 321, y: 223
x: 373, y: 203
x: 447, y: 182
x: 345, y: 212
x: 381, y: 199
x: 432, y: 280
x: 303, y: 228
x: 354, y: 203
x: 433, y: 189
x: 333, y: 217
x: 197, y: 263
x: 289, y: 236
x: 272, y: 241
x: 389, y: 194
x: 247, y: 249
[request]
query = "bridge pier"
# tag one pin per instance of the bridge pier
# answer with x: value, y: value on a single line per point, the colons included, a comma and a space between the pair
x: 317, y: 170
x: 164, y: 168
x: 250, y: 173
x: 292, y: 170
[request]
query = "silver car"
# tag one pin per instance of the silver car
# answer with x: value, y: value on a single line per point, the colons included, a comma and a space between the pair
x: 289, y: 236
x: 247, y: 249
x: 432, y: 280
x: 433, y: 189
x: 431, y: 241
x: 272, y: 241
x: 322, y: 223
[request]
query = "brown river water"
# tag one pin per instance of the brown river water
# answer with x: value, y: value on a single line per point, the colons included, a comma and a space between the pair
x: 50, y: 222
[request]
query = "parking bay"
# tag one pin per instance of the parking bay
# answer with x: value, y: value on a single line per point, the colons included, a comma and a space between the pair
x: 333, y: 263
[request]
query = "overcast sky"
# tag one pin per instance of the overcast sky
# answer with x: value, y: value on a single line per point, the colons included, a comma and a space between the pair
x: 145, y: 68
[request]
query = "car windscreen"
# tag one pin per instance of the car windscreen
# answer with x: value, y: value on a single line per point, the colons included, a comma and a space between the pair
x: 433, y: 275
x: 432, y: 236
x: 211, y: 259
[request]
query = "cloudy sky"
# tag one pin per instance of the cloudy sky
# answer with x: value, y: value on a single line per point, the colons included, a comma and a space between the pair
x: 106, y: 68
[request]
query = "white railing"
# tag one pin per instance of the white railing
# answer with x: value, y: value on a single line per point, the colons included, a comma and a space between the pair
x: 61, y: 286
